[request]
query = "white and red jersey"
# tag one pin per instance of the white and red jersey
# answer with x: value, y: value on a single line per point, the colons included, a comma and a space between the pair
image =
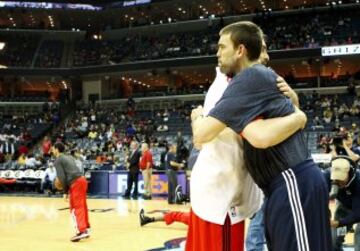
x: 220, y: 183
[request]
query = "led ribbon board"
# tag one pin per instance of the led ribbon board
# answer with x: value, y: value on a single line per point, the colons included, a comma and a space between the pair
x: 46, y: 5
x: 350, y: 49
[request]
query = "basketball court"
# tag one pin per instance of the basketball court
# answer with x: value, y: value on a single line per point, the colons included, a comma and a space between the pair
x: 29, y: 223
x: 41, y: 223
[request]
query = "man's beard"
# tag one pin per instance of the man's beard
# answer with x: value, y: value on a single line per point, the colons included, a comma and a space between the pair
x: 227, y: 71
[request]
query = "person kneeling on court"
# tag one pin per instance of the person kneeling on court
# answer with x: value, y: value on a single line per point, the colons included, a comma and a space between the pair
x: 71, y: 180
x: 344, y: 185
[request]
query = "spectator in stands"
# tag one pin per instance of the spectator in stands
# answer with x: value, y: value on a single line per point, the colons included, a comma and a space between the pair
x: 100, y: 157
x: 317, y: 123
x: 341, y: 145
x: 165, y: 116
x: 46, y: 147
x: 109, y: 147
x: 146, y: 165
x: 323, y: 143
x: 354, y: 111
x: 22, y: 159
x: 308, y: 107
x: 357, y: 102
x: 343, y: 111
x: 162, y: 128
x: 130, y: 130
x: 327, y: 115
x: 55, y: 118
x: 26, y: 136
x: 23, y: 149
x: 119, y: 145
x: 47, y: 182
x: 325, y: 102
x: 8, y: 148
x: 172, y: 166
x: 32, y: 162
x: 354, y: 130
x: 84, y: 124
x: 109, y: 133
x: 78, y: 159
x: 92, y: 134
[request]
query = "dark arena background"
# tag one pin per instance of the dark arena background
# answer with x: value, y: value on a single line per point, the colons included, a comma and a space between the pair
x: 96, y: 75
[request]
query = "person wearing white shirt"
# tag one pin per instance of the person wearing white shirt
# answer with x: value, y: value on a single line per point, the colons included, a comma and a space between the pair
x: 47, y: 182
x: 32, y: 162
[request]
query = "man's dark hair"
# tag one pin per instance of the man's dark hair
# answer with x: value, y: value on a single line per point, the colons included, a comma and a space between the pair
x: 60, y: 146
x: 248, y: 34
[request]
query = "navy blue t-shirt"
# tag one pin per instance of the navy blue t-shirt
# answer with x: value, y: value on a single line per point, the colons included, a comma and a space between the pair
x: 253, y: 93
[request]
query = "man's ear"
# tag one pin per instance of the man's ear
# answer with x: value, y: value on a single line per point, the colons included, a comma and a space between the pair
x: 241, y: 50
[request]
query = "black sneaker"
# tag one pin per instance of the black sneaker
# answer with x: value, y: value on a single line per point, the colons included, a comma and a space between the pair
x: 80, y: 236
x: 144, y: 219
x: 135, y: 196
x: 146, y: 197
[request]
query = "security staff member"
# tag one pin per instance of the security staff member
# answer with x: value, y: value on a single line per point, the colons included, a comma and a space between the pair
x: 343, y: 174
x: 132, y: 164
x: 171, y: 170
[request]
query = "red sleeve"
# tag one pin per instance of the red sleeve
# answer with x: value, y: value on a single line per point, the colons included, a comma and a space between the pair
x: 172, y: 217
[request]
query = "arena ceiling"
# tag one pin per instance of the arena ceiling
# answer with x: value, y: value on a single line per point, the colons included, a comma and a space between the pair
x: 275, y: 4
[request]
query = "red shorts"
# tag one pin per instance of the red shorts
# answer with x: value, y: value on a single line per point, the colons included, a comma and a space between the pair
x: 206, y: 236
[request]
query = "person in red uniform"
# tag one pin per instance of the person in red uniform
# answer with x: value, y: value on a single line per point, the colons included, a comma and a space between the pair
x: 168, y: 217
x: 146, y: 164
x: 70, y: 179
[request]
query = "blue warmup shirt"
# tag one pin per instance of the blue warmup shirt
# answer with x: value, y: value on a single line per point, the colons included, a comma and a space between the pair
x: 251, y: 94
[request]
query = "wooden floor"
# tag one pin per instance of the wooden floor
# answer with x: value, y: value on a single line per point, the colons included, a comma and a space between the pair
x: 38, y: 224
x: 28, y: 223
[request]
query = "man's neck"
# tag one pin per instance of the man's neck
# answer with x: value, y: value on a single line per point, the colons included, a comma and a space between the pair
x: 246, y: 64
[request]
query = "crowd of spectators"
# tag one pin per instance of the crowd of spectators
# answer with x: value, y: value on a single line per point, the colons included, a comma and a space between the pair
x: 306, y: 30
x: 99, y: 137
x: 19, y: 133
x: 102, y: 135
x: 310, y: 30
